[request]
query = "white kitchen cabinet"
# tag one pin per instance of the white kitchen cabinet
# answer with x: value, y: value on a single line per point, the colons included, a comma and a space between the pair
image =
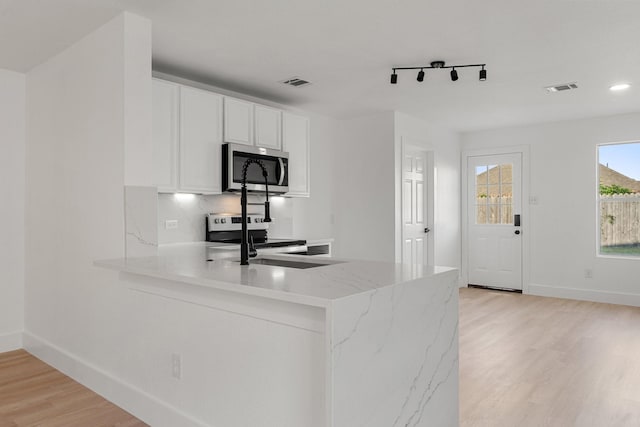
x: 165, y: 135
x: 238, y: 121
x: 295, y: 140
x: 190, y: 125
x: 200, y: 141
x: 268, y: 127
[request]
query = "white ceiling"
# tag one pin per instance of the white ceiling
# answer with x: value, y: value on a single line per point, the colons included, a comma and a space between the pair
x: 348, y: 47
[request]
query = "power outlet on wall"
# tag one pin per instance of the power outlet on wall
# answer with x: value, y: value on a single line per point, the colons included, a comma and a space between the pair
x: 176, y: 366
x: 588, y: 273
x: 171, y: 224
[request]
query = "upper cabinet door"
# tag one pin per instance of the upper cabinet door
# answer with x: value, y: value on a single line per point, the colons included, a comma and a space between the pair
x: 200, y: 141
x: 165, y: 135
x: 295, y: 140
x: 268, y: 132
x: 238, y: 121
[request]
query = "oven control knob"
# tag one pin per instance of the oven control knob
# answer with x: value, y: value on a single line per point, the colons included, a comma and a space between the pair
x: 223, y: 220
x: 216, y: 221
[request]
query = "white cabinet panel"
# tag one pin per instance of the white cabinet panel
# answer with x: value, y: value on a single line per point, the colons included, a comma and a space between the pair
x: 295, y: 140
x: 165, y: 135
x: 268, y: 125
x: 200, y: 141
x: 238, y: 121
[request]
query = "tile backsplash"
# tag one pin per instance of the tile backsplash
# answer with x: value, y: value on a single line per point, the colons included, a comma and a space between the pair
x: 189, y: 211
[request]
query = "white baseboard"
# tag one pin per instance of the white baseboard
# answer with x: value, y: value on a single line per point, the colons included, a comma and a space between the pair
x: 130, y: 398
x: 584, y: 294
x: 10, y: 342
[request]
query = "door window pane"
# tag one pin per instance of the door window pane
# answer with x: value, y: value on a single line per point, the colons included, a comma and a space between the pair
x: 494, y: 214
x: 494, y: 194
x: 619, y: 199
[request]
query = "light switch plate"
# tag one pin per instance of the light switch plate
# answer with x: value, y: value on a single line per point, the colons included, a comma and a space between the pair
x: 171, y: 224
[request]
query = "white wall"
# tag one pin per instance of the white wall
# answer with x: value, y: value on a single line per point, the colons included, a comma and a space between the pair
x: 445, y: 146
x: 86, y: 321
x: 12, y: 177
x: 364, y: 188
x: 367, y: 187
x: 80, y: 318
x: 563, y: 223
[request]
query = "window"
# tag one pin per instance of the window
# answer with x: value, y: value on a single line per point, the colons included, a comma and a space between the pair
x: 494, y: 194
x: 619, y: 199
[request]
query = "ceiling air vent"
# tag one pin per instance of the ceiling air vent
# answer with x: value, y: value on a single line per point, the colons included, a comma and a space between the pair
x: 562, y: 87
x: 296, y: 82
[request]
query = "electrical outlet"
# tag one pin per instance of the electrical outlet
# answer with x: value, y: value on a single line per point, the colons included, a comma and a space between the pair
x: 171, y: 224
x: 588, y: 273
x: 176, y: 366
x: 533, y: 200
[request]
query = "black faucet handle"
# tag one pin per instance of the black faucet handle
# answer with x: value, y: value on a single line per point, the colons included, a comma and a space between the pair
x: 267, y: 212
x: 252, y: 248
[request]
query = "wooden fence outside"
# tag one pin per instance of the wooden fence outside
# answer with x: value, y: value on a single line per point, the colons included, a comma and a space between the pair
x: 619, y: 219
x: 494, y: 210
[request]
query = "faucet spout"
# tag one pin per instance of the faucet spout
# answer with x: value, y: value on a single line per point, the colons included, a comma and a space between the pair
x: 245, y: 251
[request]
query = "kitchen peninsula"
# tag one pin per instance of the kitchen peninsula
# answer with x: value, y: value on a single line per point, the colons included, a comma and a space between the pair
x: 322, y: 342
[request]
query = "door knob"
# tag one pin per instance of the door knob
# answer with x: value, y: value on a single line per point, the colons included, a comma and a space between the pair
x: 517, y: 231
x: 427, y: 229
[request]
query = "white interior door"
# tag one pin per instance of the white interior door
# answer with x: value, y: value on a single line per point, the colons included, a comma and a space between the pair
x: 415, y: 227
x: 494, y: 191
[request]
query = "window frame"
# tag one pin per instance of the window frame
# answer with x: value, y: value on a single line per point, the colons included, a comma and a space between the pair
x: 598, y: 248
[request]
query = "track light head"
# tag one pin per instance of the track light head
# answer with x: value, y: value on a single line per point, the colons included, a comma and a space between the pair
x: 483, y: 74
x: 421, y: 75
x: 454, y: 75
x: 394, y: 77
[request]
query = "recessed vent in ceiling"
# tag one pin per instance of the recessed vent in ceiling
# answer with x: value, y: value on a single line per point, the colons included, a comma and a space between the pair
x: 562, y: 87
x: 296, y: 82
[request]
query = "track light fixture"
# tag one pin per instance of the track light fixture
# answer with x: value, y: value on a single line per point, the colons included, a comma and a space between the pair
x: 439, y: 64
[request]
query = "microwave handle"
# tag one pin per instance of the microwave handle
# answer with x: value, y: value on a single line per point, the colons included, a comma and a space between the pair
x: 283, y: 170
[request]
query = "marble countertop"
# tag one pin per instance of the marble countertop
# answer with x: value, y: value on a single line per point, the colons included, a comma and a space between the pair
x: 216, y: 266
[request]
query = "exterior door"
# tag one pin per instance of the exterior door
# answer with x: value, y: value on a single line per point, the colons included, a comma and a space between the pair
x: 414, y: 207
x: 494, y: 234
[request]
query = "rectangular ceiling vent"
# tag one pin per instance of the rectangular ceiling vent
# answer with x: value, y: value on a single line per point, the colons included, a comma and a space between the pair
x: 562, y: 87
x: 296, y: 82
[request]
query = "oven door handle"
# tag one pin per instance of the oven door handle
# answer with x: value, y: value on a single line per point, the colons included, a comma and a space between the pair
x: 283, y: 171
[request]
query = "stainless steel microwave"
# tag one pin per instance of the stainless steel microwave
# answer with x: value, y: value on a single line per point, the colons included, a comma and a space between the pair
x: 275, y: 162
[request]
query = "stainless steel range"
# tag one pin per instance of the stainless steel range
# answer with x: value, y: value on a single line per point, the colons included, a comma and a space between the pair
x: 226, y: 228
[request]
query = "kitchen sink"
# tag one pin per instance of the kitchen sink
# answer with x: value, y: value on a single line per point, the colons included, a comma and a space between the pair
x: 289, y: 263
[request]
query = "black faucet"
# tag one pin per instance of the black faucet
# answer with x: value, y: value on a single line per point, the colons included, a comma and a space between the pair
x: 245, y: 251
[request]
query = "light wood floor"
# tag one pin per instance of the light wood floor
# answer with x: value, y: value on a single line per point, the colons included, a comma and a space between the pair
x: 32, y: 393
x: 534, y: 361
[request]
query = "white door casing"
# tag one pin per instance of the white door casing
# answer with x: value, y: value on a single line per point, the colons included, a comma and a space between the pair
x: 415, y: 210
x: 494, y: 242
